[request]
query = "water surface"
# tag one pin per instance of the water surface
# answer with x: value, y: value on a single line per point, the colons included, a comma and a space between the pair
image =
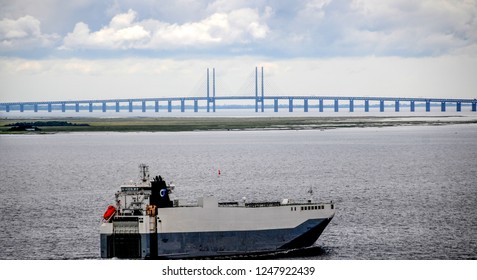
x: 400, y: 192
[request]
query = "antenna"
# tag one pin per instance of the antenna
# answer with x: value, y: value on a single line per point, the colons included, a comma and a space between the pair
x: 310, y: 193
x: 144, y: 172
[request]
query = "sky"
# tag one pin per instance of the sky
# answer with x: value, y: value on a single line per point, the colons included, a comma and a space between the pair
x: 89, y: 49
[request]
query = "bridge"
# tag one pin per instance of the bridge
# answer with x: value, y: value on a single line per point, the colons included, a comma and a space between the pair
x: 260, y: 99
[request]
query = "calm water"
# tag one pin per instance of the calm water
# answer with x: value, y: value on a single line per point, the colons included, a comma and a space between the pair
x: 401, y: 193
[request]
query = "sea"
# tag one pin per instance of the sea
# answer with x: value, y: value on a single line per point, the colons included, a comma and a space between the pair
x: 405, y: 192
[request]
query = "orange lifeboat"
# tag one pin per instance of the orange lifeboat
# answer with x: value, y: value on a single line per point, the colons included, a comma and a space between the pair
x: 109, y: 212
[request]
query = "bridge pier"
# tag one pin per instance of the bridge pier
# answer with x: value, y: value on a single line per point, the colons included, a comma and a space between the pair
x: 7, y: 108
x: 209, y: 101
x: 21, y: 107
x: 275, y: 105
x: 336, y: 105
x: 351, y: 105
x: 156, y: 106
x: 91, y: 107
x: 474, y: 106
x: 381, y: 105
x: 35, y: 108
x: 443, y: 106
x: 321, y: 105
x: 259, y: 100
x: 290, y: 105
x: 396, y: 106
x: 305, y: 105
x: 182, y: 105
x: 49, y: 108
x: 169, y: 105
x: 428, y: 106
x: 366, y: 105
x: 458, y: 106
x: 63, y: 107
x: 104, y: 107
x: 130, y: 106
x: 196, y: 105
x: 117, y: 107
x: 143, y: 106
x: 413, y: 106
x: 77, y: 107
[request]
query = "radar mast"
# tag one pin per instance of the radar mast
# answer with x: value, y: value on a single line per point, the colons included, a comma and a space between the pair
x: 144, y: 172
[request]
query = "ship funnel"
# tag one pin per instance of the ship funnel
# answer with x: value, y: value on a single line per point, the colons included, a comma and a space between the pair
x: 160, y: 193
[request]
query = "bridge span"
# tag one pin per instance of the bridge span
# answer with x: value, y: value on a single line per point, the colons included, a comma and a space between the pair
x: 307, y: 102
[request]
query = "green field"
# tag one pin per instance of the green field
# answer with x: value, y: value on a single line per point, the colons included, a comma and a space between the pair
x: 226, y: 123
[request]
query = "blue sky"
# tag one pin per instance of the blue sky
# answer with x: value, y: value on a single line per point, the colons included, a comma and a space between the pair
x: 81, y: 49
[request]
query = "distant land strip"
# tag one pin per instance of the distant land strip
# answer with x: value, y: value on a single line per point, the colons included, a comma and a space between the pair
x: 221, y: 123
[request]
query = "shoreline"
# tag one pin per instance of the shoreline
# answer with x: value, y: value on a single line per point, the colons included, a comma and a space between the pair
x: 176, y: 124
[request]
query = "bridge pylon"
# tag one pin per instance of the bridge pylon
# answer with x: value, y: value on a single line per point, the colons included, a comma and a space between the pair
x: 259, y: 99
x: 211, y: 100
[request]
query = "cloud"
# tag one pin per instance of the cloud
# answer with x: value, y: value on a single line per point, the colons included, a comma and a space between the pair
x: 121, y: 33
x: 276, y: 29
x: 413, y: 27
x: 373, y: 27
x: 124, y: 31
x: 24, y: 33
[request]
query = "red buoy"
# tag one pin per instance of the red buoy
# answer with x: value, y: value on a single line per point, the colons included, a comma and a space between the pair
x: 109, y: 212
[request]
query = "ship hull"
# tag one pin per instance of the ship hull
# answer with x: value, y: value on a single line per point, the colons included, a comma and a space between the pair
x: 211, y: 244
x: 225, y: 243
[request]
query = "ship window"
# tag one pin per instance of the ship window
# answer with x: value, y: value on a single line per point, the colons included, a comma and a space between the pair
x: 316, y: 207
x: 302, y: 208
x: 332, y: 206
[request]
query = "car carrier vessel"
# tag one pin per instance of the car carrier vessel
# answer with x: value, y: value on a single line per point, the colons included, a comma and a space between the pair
x: 145, y: 223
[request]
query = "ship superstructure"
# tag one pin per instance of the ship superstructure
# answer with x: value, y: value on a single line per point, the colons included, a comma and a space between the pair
x: 146, y: 223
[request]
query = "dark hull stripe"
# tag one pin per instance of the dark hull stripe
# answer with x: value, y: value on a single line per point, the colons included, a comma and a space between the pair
x: 217, y: 243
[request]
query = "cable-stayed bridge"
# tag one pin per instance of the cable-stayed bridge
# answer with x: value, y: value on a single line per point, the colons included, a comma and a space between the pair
x: 259, y: 101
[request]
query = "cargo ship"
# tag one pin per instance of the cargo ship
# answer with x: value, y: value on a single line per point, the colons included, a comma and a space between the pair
x: 145, y: 223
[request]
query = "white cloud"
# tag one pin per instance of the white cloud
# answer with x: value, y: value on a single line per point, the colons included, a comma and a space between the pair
x: 125, y: 32
x: 121, y: 33
x: 24, y: 33
x: 311, y: 28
